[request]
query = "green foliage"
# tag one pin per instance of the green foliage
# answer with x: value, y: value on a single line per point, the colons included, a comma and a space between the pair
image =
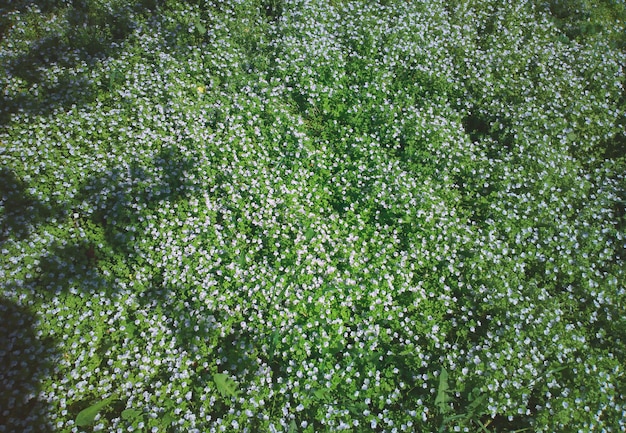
x: 443, y: 393
x: 226, y: 386
x: 470, y: 414
x: 582, y: 19
x: 131, y: 414
x: 313, y: 216
x: 87, y: 416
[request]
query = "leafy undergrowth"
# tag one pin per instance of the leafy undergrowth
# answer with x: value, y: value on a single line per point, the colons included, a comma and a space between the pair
x: 303, y: 216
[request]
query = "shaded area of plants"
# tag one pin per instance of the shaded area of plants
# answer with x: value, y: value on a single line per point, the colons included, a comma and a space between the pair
x: 20, y: 212
x: 26, y: 359
x: 581, y: 19
x: 89, y: 32
x: 91, y: 263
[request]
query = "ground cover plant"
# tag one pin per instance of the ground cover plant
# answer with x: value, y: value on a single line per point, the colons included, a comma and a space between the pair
x: 312, y: 216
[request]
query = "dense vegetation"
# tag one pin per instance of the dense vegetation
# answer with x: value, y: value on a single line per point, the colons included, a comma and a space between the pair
x: 310, y: 216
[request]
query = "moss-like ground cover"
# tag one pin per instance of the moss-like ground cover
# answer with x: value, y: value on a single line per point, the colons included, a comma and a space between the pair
x: 312, y: 216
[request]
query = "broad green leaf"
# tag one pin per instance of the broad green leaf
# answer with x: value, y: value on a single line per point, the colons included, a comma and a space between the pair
x: 309, y: 234
x: 113, y: 77
x: 130, y: 414
x: 321, y: 394
x: 200, y: 27
x: 273, y: 344
x: 357, y: 408
x: 167, y: 420
x: 130, y: 328
x: 226, y: 386
x: 87, y: 416
x: 293, y: 428
x: 442, y: 399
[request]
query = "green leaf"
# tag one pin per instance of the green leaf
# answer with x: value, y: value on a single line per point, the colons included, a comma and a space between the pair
x: 273, y: 345
x: 131, y: 414
x: 200, y: 27
x: 87, y: 416
x: 226, y: 386
x: 310, y: 234
x: 167, y: 420
x: 453, y: 418
x: 113, y: 76
x: 130, y: 328
x: 321, y: 394
x: 293, y: 428
x: 476, y: 406
x: 357, y: 408
x: 442, y: 399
